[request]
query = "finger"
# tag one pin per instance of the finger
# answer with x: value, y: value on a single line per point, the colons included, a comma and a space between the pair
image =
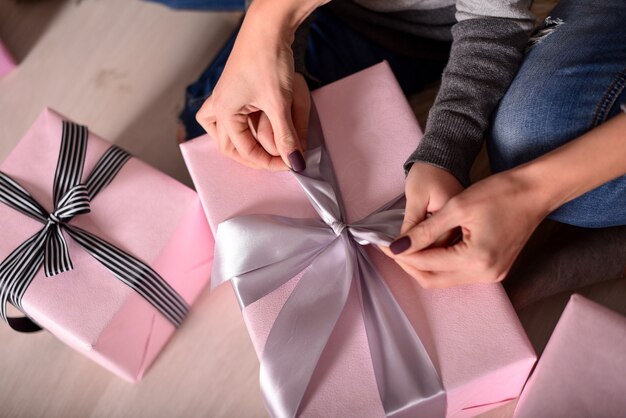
x: 387, y: 252
x: 248, y: 148
x: 450, y: 238
x: 448, y: 259
x: 206, y: 116
x: 286, y: 139
x: 227, y: 147
x: 211, y: 129
x: 265, y: 135
x: 414, y: 213
x: 425, y: 233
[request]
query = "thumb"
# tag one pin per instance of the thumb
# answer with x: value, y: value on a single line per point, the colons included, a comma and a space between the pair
x: 414, y: 213
x: 286, y: 139
x: 425, y: 233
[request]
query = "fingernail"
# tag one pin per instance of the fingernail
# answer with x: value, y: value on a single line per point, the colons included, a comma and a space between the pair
x: 400, y: 245
x: 297, y: 161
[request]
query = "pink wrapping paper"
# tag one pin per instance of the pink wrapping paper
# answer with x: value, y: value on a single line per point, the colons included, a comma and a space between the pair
x: 582, y: 372
x: 143, y: 212
x: 6, y: 60
x: 472, y: 333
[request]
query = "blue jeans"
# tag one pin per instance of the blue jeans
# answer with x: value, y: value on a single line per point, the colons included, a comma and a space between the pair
x: 213, y: 5
x: 572, y: 80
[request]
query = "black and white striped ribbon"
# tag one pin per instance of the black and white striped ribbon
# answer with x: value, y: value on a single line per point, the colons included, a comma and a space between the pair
x: 49, y: 247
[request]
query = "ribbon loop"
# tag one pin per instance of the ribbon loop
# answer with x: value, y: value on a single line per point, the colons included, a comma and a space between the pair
x: 338, y: 227
x: 57, y: 256
x: 74, y: 202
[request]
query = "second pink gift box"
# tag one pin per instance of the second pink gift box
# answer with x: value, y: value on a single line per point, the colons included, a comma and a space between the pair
x: 475, y: 352
x: 97, y: 247
x: 582, y: 372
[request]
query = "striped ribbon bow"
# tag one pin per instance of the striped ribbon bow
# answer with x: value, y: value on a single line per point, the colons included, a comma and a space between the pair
x: 49, y: 247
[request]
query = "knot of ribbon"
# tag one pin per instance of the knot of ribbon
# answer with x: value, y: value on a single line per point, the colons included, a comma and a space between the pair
x: 260, y: 253
x: 48, y: 246
x: 56, y: 255
x: 338, y: 227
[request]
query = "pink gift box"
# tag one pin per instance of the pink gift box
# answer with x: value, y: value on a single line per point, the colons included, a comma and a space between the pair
x: 582, y: 372
x: 6, y: 60
x: 471, y: 333
x: 143, y: 212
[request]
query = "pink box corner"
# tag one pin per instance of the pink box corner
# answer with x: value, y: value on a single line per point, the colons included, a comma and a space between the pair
x: 581, y: 371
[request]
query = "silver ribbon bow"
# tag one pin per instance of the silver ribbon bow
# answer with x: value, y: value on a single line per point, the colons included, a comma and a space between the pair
x: 259, y: 253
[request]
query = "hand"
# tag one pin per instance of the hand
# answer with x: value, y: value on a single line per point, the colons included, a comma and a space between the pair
x: 496, y: 215
x: 428, y: 189
x: 258, y: 112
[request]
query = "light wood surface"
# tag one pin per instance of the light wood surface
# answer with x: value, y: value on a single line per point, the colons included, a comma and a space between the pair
x: 120, y: 67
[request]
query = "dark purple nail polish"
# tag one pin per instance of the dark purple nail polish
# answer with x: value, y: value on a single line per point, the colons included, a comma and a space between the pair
x: 400, y: 245
x: 297, y: 161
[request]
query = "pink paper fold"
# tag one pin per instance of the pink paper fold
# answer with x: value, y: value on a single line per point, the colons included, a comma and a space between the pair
x: 143, y: 212
x: 472, y: 333
x: 6, y: 60
x: 582, y: 372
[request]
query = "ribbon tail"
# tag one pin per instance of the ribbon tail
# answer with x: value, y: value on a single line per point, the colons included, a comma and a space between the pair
x: 18, y: 270
x: 303, y: 327
x: 16, y: 197
x: 57, y: 256
x: 408, y: 382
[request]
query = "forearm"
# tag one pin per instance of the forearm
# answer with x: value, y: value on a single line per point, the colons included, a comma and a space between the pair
x: 485, y: 56
x: 579, y: 166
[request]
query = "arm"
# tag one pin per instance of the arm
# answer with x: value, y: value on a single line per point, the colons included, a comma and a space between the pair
x: 577, y: 167
x: 497, y: 215
x: 259, y: 87
x: 488, y: 44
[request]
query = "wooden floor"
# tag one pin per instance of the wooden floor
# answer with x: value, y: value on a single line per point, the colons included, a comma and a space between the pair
x: 120, y: 67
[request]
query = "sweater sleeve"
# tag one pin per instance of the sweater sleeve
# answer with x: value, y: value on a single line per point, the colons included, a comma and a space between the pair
x: 486, y: 53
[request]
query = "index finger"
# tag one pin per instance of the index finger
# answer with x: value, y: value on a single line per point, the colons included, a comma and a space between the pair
x: 248, y: 147
x: 206, y: 116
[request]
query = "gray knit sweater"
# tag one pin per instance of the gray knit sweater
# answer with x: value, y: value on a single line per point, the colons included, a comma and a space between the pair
x: 488, y: 39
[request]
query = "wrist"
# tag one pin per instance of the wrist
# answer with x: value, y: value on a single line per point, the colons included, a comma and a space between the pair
x: 281, y: 17
x: 536, y: 186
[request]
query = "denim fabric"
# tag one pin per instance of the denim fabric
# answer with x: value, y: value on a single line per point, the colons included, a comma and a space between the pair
x: 213, y: 5
x: 334, y: 50
x: 572, y: 79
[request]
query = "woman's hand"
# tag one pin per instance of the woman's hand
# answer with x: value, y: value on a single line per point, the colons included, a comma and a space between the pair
x: 258, y: 112
x: 428, y: 189
x: 496, y: 216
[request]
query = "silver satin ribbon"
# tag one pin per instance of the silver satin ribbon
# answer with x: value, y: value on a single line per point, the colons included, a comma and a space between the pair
x: 259, y: 253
